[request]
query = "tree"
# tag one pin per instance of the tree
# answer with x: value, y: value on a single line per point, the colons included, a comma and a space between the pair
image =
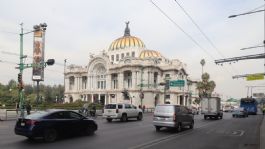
x: 202, y: 63
x: 205, y: 87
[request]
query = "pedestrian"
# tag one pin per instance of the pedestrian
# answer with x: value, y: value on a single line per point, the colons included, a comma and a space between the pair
x: 143, y: 108
x: 140, y: 107
x: 17, y: 107
x: 263, y: 110
x: 28, y: 108
x: 93, y: 111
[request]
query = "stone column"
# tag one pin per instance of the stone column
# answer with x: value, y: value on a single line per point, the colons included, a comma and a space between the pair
x: 120, y: 80
x: 92, y: 99
x: 134, y: 80
x: 108, y: 81
x: 66, y: 87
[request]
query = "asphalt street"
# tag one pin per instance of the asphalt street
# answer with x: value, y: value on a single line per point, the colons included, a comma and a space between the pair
x: 229, y: 133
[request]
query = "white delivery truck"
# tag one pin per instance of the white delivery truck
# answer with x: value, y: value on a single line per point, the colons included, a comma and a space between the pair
x: 211, y: 107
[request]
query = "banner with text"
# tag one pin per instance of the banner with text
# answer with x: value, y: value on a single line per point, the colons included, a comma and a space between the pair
x: 38, y: 56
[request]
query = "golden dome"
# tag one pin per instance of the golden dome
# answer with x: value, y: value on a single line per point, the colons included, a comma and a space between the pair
x: 150, y: 54
x: 126, y: 41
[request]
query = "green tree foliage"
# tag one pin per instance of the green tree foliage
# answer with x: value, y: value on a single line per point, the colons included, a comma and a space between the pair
x: 48, y: 94
x: 206, y: 87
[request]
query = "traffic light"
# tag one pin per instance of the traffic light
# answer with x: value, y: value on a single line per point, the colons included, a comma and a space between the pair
x: 50, y: 61
x: 19, y: 78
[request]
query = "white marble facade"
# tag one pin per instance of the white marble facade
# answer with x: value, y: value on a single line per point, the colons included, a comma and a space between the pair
x: 127, y: 65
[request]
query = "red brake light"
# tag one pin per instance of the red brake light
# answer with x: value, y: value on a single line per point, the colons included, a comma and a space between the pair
x: 31, y: 122
x: 174, y: 116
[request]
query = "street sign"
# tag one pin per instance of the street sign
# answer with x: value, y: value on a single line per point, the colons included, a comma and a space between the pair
x: 177, y: 83
x: 255, y: 77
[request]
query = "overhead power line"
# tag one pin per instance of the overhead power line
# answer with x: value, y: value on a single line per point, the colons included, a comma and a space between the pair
x: 199, y: 28
x: 180, y: 28
x: 16, y: 54
x: 189, y: 36
x: 202, y: 32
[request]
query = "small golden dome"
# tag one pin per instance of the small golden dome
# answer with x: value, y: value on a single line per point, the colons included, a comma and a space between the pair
x: 126, y: 41
x: 150, y: 54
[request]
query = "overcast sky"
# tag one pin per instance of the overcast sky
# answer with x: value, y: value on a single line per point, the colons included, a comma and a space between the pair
x: 79, y: 27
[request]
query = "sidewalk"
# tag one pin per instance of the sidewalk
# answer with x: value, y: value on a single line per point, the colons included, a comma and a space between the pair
x: 262, y: 134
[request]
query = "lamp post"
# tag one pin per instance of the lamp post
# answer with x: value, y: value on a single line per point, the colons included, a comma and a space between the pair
x: 251, y: 12
x: 166, y: 86
x: 64, y: 79
x: 23, y: 66
x: 202, y: 63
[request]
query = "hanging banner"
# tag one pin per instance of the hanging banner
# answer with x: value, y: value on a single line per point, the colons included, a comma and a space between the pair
x: 38, y: 56
x: 255, y: 77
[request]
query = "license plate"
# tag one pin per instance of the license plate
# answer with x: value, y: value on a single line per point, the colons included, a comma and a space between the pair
x: 109, y: 110
x: 22, y: 124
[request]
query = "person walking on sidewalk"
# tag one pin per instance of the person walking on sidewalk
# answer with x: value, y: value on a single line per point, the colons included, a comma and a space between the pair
x: 28, y: 108
x: 17, y: 107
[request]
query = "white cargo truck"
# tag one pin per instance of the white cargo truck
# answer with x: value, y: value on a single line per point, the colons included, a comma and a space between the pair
x: 211, y: 107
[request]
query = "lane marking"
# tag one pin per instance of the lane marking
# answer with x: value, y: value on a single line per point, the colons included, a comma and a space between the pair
x: 168, y: 138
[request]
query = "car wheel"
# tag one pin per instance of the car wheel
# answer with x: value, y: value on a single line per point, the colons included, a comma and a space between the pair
x: 158, y: 128
x: 31, y: 138
x: 109, y: 119
x: 205, y: 117
x: 90, y: 130
x: 124, y: 118
x: 192, y: 125
x: 179, y: 127
x: 50, y: 135
x: 140, y: 117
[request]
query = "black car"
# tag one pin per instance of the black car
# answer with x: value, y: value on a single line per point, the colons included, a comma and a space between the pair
x: 49, y: 125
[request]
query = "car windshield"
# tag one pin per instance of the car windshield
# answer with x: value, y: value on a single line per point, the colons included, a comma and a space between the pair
x: 37, y: 115
x: 164, y: 109
x: 110, y: 106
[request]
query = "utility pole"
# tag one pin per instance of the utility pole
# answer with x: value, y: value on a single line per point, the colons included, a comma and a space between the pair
x: 64, y: 79
x: 23, y: 66
x: 141, y: 88
x: 257, y: 56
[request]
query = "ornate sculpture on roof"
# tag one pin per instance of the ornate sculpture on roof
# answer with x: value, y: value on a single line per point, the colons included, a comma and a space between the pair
x: 127, y: 29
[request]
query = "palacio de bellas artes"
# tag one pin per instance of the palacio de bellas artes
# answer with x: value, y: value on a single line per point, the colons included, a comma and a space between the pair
x: 129, y: 72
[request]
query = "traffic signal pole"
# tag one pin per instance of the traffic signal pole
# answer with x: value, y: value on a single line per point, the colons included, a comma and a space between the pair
x: 21, y: 68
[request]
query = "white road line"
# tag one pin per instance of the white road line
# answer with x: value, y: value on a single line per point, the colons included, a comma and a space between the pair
x: 167, y: 138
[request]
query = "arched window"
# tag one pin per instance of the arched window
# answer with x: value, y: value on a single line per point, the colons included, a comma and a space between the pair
x: 100, y: 75
x: 127, y: 79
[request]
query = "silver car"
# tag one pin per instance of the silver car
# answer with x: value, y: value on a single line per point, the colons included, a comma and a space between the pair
x: 172, y: 116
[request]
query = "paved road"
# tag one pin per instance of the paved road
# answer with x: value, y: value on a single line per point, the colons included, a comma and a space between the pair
x: 228, y: 133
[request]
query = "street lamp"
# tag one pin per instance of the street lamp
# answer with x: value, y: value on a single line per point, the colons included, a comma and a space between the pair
x: 22, y: 66
x: 251, y: 12
x: 233, y: 16
x: 166, y: 87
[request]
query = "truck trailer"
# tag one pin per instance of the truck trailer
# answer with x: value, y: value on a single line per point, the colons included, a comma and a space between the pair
x: 211, y: 107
